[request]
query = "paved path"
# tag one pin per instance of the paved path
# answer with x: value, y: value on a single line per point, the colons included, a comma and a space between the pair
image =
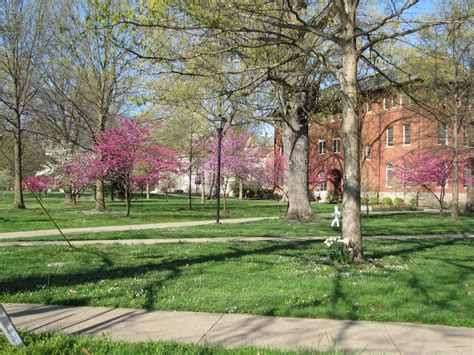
x: 231, y: 330
x: 223, y: 240
x: 132, y: 227
x: 129, y: 227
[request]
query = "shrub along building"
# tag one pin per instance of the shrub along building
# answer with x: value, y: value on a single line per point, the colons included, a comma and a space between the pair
x: 392, y: 127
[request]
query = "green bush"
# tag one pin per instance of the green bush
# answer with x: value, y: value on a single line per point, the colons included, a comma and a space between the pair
x: 265, y: 194
x: 364, y: 200
x: 391, y: 208
x: 414, y: 201
x: 387, y: 201
x: 374, y: 201
x: 399, y: 201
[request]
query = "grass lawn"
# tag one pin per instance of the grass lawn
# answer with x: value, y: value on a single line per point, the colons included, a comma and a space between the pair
x: 427, y: 281
x: 49, y: 344
x: 155, y: 210
x: 412, y: 224
x: 52, y: 344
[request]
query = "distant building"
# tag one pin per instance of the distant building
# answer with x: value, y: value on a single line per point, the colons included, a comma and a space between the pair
x: 391, y: 127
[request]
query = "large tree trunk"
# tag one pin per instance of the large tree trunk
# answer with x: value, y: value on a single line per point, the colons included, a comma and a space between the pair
x: 241, y: 190
x: 128, y: 198
x: 455, y: 194
x: 18, y: 177
x: 296, y: 148
x: 351, y: 225
x: 99, y: 196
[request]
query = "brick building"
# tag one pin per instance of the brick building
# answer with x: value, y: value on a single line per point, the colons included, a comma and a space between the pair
x: 391, y: 127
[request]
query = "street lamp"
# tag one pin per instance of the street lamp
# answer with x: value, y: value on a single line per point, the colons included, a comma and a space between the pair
x: 219, y: 123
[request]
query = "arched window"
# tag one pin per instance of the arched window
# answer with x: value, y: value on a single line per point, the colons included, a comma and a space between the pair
x: 389, y: 175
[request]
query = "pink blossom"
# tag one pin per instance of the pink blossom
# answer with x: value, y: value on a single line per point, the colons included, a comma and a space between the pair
x: 38, y: 184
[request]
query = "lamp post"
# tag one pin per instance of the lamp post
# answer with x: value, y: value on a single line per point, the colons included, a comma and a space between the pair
x: 219, y: 123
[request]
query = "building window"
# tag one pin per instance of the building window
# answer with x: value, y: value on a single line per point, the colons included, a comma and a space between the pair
x: 465, y: 176
x: 336, y: 145
x: 390, y: 102
x: 368, y: 151
x: 406, y: 134
x: 368, y: 107
x: 443, y: 134
x: 322, y: 146
x: 466, y: 137
x: 322, y: 186
x: 389, y: 175
x: 390, y: 136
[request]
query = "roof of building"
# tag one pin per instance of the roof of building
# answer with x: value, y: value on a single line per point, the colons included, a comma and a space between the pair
x: 379, y: 81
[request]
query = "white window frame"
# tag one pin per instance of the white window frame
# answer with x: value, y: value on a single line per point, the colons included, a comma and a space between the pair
x: 368, y: 107
x: 338, y: 140
x: 368, y: 149
x: 404, y: 134
x: 321, y: 144
x: 389, y: 128
x: 388, y: 168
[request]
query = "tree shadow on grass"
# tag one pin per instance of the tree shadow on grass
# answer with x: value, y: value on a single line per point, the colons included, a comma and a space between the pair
x: 415, y: 246
x: 174, y: 266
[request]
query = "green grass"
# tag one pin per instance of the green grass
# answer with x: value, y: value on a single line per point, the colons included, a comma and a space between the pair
x: 155, y: 210
x: 56, y: 344
x: 427, y: 281
x: 402, y: 224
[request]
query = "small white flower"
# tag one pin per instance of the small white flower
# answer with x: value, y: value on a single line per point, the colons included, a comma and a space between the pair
x: 56, y: 265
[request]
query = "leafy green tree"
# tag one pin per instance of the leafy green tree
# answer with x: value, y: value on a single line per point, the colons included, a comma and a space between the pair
x: 22, y: 46
x: 89, y: 76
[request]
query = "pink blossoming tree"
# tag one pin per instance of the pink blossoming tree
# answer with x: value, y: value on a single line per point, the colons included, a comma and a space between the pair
x: 75, y: 176
x: 240, y: 158
x: 38, y: 184
x: 130, y: 155
x: 274, y: 172
x: 428, y: 171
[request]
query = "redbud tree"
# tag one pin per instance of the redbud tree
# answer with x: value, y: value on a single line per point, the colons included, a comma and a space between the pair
x: 428, y: 171
x: 130, y: 155
x: 241, y: 158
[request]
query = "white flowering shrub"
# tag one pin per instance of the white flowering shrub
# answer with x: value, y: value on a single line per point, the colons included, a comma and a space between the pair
x: 339, y: 250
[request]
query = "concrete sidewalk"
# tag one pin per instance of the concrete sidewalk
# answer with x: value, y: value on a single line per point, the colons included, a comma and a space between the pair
x: 223, y: 240
x: 231, y: 330
x: 133, y: 227
x: 123, y: 228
